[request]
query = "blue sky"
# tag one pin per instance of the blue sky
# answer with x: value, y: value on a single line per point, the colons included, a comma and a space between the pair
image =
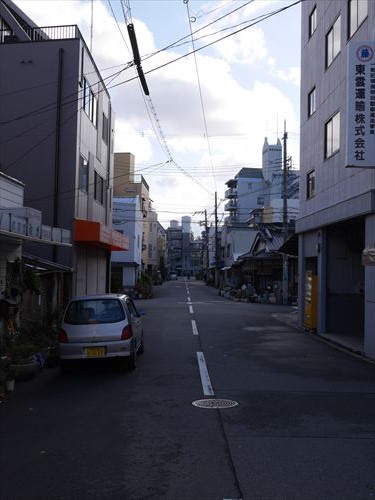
x: 210, y: 113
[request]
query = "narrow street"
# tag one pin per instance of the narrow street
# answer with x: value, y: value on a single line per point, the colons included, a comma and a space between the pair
x: 303, y: 426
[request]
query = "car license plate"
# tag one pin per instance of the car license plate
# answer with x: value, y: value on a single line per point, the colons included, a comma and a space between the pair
x: 95, y: 351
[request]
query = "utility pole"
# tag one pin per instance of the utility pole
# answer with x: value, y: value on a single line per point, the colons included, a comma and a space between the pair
x: 207, y: 256
x: 206, y: 253
x: 216, y: 245
x: 285, y: 219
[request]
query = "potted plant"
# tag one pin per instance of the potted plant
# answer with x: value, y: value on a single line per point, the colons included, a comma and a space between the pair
x: 7, y: 376
x: 23, y: 360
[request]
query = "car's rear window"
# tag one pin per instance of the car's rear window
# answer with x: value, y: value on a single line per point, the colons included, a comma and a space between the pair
x: 83, y: 312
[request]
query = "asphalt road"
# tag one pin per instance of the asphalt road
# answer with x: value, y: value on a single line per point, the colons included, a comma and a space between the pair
x: 304, y: 426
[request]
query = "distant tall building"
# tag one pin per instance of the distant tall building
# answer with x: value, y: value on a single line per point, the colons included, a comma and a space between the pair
x: 271, y: 160
x: 273, y: 174
x: 184, y: 253
x: 186, y: 224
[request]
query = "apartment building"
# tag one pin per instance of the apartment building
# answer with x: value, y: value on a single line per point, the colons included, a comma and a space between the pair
x: 56, y: 134
x: 127, y: 183
x: 126, y: 266
x: 245, y: 192
x: 337, y: 178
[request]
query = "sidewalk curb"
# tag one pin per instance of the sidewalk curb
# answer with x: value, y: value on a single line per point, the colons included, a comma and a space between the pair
x: 290, y: 319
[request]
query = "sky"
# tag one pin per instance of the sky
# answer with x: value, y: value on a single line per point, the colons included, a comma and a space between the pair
x: 218, y: 83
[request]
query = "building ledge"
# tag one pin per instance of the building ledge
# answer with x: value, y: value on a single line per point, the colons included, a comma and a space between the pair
x: 99, y: 235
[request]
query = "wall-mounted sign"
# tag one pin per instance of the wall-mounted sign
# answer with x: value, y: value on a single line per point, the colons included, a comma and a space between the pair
x: 360, y: 127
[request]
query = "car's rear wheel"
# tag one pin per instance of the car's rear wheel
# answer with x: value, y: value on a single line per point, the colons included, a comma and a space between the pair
x: 132, y: 360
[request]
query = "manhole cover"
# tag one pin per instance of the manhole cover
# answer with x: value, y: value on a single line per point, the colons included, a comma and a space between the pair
x: 215, y: 403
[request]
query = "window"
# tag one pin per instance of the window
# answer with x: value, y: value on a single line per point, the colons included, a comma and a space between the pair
x: 311, y: 105
x: 98, y: 188
x: 357, y: 14
x: 332, y: 136
x: 105, y: 131
x: 333, y: 42
x: 310, y: 184
x: 90, y: 102
x: 260, y: 200
x: 83, y: 181
x: 312, y: 22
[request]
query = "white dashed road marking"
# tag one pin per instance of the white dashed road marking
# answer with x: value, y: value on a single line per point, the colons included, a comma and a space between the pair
x: 194, y: 327
x: 205, y: 378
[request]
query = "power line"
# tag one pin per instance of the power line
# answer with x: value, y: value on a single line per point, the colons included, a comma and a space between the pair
x: 201, y: 96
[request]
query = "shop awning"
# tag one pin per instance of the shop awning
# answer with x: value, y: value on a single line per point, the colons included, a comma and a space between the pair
x: 41, y: 265
x: 99, y: 235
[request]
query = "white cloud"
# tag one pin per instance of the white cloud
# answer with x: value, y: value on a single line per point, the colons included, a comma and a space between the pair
x: 292, y: 75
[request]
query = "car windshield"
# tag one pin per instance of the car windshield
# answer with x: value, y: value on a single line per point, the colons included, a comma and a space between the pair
x: 82, y: 312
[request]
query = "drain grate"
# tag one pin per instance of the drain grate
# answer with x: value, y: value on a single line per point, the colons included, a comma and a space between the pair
x: 214, y: 403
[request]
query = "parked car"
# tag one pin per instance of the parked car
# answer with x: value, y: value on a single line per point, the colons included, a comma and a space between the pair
x: 101, y: 327
x: 173, y: 276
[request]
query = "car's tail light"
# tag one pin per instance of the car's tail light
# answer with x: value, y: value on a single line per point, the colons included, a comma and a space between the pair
x: 62, y: 337
x: 127, y: 333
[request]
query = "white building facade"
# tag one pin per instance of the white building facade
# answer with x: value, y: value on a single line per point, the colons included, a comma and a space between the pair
x: 126, y: 265
x: 337, y: 201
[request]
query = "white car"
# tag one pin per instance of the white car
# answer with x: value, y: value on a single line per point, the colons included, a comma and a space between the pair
x: 101, y: 327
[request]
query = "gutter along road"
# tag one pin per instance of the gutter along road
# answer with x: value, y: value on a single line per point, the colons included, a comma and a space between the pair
x: 304, y: 426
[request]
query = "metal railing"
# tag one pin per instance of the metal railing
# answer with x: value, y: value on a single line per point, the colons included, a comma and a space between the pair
x: 42, y: 34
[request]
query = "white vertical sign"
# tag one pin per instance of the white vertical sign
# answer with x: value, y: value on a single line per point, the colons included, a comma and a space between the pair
x: 360, y: 140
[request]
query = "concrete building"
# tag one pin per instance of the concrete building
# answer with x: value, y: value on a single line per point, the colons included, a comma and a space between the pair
x: 261, y: 189
x: 337, y: 180
x: 20, y: 225
x: 185, y: 253
x: 162, y: 250
x: 245, y: 192
x: 126, y: 266
x: 126, y: 183
x: 56, y: 134
x: 174, y: 248
x: 152, y: 246
x: 273, y: 175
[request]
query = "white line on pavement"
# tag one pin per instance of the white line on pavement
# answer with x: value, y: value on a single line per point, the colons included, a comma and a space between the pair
x: 205, y: 378
x: 191, y: 310
x: 194, y: 327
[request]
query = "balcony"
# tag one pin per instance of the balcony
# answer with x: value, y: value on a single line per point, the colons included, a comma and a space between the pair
x: 29, y: 34
x: 231, y: 193
x: 232, y: 183
x: 230, y: 206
